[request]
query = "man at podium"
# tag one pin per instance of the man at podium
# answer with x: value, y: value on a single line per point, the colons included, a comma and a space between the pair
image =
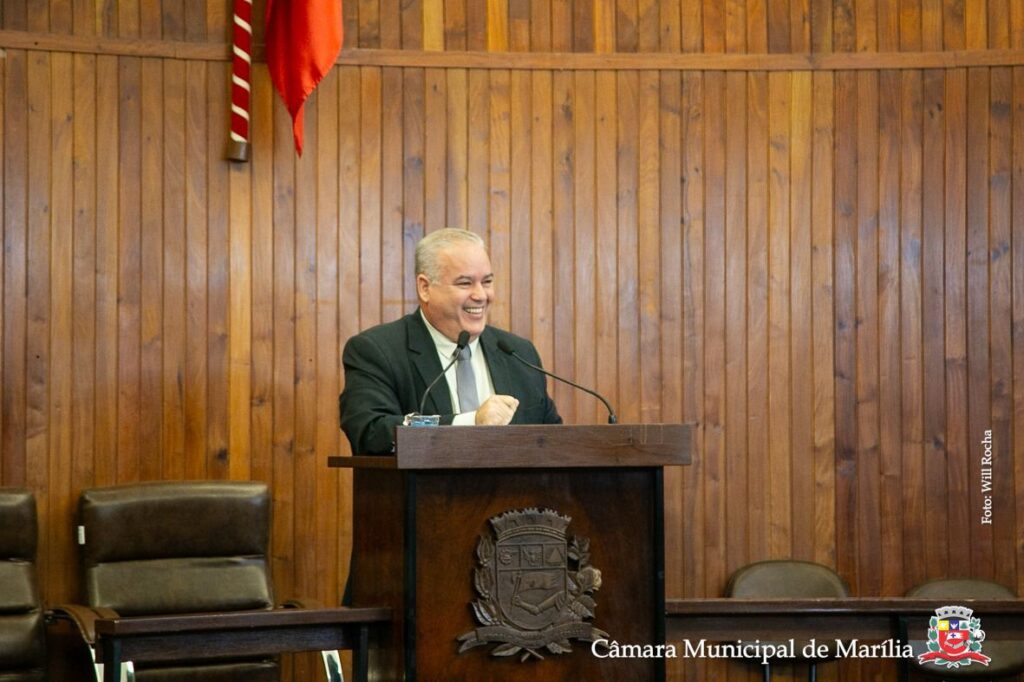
x: 486, y: 380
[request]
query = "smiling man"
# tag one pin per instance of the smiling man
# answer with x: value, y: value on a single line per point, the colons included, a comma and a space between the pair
x: 388, y: 367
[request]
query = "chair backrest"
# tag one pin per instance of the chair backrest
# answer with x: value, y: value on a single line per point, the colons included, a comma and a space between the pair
x: 783, y: 578
x: 180, y: 547
x: 22, y: 636
x: 961, y: 588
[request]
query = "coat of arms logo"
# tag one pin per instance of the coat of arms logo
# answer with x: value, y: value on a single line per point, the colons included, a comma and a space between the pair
x: 954, y: 638
x: 534, y: 585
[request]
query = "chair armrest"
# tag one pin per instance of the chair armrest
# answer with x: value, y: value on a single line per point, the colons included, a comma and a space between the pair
x: 84, y: 617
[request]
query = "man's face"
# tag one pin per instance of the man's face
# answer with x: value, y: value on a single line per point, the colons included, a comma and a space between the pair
x: 460, y: 299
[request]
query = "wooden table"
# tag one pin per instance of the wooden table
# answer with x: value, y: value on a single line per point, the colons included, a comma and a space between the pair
x: 247, y: 633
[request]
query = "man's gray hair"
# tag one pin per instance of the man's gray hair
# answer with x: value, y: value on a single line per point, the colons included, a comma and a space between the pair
x: 430, y: 247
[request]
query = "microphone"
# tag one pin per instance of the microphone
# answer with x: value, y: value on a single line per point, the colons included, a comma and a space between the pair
x: 509, y: 350
x: 459, y: 345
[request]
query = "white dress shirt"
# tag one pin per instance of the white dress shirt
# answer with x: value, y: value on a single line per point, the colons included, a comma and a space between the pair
x: 445, y: 353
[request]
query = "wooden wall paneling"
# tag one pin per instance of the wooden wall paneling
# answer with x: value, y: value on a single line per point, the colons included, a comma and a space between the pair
x: 519, y: 293
x: 15, y: 15
x: 476, y: 26
x: 561, y: 25
x: 435, y: 149
x: 541, y: 224
x: 150, y: 274
x: 412, y: 24
x: 736, y: 458
x: 499, y: 209
x: 714, y: 318
x: 780, y: 373
x: 60, y: 16
x: 1017, y: 264
x: 626, y: 25
x: 888, y: 26
x: 519, y: 26
x: 497, y: 25
x: 998, y: 24
x: 366, y: 17
x: 413, y: 133
x: 605, y: 17
x: 957, y: 438
x: 370, y: 264
x: 239, y: 465
x: 802, y: 538
x: 588, y: 410
x: 713, y: 23
x: 844, y: 27
x: 457, y: 149
x: 626, y: 258
x: 606, y: 274
x: 15, y: 173
x: 1016, y: 25
x: 151, y: 20
x: 865, y: 17
x: 670, y: 306
x: 196, y: 294
x: 975, y: 18
x: 822, y: 26
x: 348, y: 255
x: 691, y: 514
x: 563, y: 144
x: 128, y: 19
x: 691, y: 31
x: 823, y: 318
x: 800, y: 26
x: 670, y: 30
x: 735, y: 25
x: 455, y: 25
x: 910, y: 25
x: 84, y: 282
x: 540, y: 25
x: 933, y: 306
x: 394, y: 250
x: 129, y: 267
x: 756, y: 295
x: 931, y: 25
x: 326, y: 508
x: 218, y: 263
x: 583, y: 26
x: 845, y: 366
x: 174, y: 207
x: 867, y: 337
x: 38, y: 15
x: 1001, y: 316
x: 38, y: 361
x: 757, y: 26
x: 890, y: 341
x: 649, y: 26
x: 778, y: 25
x: 261, y: 414
x: 649, y: 242
x: 390, y: 24
x: 284, y: 396
x: 107, y: 250
x: 953, y: 27
x: 976, y: 257
x: 61, y: 293
x: 194, y: 20
x: 217, y: 19
x: 479, y: 145
x: 433, y: 25
x: 911, y: 200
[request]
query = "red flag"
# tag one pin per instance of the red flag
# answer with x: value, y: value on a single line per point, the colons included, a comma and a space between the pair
x: 303, y: 40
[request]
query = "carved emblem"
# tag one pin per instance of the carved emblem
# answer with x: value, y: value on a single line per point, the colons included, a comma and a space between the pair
x: 534, y: 586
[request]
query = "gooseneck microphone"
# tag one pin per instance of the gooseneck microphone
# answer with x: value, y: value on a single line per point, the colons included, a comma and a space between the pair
x: 462, y: 342
x: 509, y: 350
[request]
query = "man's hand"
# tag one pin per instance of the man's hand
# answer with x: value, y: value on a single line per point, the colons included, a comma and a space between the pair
x: 497, y: 410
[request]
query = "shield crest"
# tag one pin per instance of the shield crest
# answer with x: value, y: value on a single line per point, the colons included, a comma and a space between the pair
x: 531, y: 576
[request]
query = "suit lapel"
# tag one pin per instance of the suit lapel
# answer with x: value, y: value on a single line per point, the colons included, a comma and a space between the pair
x: 497, y: 364
x: 423, y: 353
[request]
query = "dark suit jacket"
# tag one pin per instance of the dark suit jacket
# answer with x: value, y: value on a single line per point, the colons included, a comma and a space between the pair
x: 388, y: 367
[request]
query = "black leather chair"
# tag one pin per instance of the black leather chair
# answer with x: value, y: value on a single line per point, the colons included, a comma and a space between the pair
x: 787, y: 579
x: 1007, y: 656
x: 22, y: 630
x: 167, y: 549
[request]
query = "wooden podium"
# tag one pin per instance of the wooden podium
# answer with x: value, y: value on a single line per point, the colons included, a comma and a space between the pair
x: 516, y: 545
